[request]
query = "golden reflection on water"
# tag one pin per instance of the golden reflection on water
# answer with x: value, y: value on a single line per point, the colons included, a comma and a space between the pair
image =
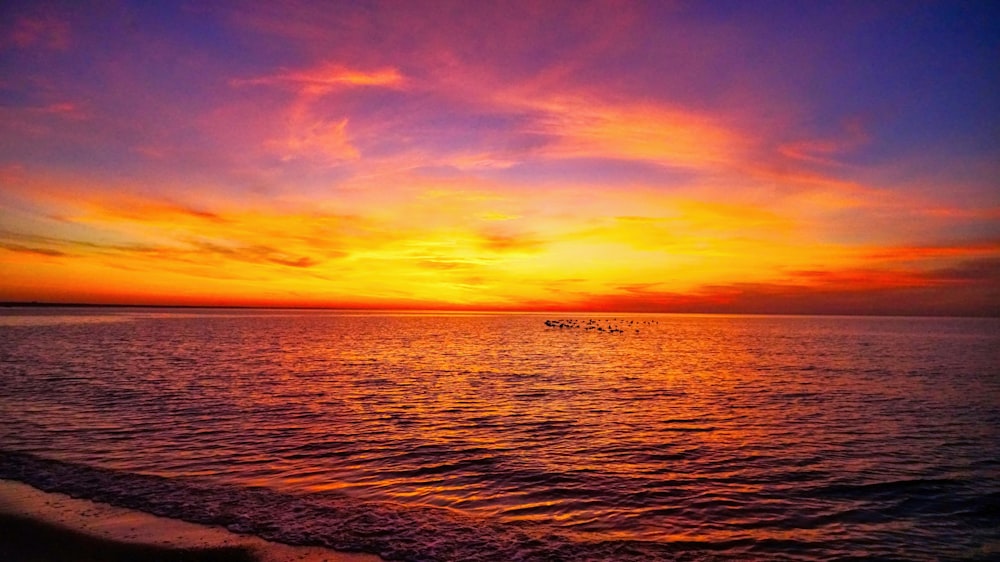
x: 694, y: 428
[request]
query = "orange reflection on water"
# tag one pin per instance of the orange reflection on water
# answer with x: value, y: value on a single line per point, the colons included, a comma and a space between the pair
x: 703, y: 429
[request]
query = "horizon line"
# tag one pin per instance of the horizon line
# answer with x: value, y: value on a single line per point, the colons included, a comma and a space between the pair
x: 47, y: 304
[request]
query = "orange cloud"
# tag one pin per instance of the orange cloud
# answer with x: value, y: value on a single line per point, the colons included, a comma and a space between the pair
x: 584, y: 129
x: 815, y: 292
x: 466, y: 242
x: 328, y: 77
x: 914, y: 253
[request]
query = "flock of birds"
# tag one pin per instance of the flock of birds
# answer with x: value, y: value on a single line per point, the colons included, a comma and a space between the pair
x: 610, y: 325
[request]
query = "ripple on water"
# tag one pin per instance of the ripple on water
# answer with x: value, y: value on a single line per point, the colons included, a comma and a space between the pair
x: 496, y: 437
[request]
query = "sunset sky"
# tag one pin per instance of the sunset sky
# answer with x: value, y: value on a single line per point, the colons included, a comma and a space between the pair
x: 787, y: 157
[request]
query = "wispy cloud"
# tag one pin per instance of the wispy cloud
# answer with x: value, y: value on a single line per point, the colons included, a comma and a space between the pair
x: 326, y: 78
x: 31, y: 250
x: 310, y: 132
x: 583, y: 129
x: 39, y: 30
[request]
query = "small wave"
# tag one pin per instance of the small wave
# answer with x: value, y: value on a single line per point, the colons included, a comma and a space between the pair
x: 890, y: 489
x: 393, y: 531
x: 442, y: 468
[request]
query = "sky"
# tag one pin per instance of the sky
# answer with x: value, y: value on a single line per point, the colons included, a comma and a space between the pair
x: 731, y: 157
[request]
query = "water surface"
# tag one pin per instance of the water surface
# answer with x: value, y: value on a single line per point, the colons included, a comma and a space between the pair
x: 498, y: 437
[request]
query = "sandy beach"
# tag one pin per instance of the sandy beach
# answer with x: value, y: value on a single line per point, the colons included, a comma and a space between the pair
x: 36, y: 526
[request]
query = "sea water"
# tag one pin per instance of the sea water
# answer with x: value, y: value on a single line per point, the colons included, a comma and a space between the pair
x: 449, y: 436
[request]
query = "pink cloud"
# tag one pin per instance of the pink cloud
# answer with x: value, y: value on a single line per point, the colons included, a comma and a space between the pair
x: 826, y: 151
x: 44, y: 32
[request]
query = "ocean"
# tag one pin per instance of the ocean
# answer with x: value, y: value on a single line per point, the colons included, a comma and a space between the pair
x: 516, y: 437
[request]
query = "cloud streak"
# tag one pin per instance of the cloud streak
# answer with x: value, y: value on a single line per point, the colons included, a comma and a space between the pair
x: 328, y: 78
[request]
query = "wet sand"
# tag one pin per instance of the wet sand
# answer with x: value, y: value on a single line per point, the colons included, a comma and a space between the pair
x: 36, y: 526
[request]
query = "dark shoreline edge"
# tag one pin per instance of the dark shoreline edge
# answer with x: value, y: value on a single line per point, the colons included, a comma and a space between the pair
x: 39, y: 525
x: 25, y: 539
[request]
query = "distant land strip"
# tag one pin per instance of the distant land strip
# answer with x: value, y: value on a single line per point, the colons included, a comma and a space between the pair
x: 40, y: 304
x: 36, y: 304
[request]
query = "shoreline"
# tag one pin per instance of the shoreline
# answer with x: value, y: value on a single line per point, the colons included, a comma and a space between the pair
x: 38, y: 526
